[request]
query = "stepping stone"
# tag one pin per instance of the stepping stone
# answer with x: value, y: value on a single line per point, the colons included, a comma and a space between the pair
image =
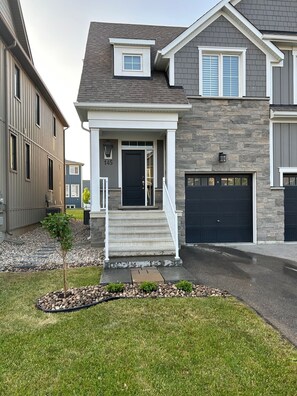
x: 121, y: 275
x: 146, y: 275
x: 175, y: 274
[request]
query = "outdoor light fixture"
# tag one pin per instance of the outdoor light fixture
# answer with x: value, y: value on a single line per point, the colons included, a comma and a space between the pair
x: 108, y: 146
x: 222, y: 157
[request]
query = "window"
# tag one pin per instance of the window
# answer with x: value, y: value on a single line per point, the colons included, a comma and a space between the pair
x: 222, y: 73
x: 50, y: 174
x: 67, y: 192
x: 132, y: 62
x: 13, y: 152
x: 37, y: 109
x: 73, y: 170
x: 27, y: 161
x: 74, y: 190
x: 17, y: 82
x: 54, y: 126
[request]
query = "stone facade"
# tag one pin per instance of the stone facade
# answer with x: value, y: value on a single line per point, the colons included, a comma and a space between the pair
x: 239, y: 128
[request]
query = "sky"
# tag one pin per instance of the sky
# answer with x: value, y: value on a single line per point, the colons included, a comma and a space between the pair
x: 57, y: 32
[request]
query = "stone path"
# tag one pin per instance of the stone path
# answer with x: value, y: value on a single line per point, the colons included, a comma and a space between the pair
x: 44, y: 252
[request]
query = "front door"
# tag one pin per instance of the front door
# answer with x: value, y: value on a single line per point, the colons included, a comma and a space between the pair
x: 133, y: 177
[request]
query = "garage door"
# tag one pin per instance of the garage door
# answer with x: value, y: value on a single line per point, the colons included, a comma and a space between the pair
x: 218, y: 208
x: 290, y: 184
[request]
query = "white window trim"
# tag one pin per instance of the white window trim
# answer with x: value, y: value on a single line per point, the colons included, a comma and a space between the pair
x: 294, y: 53
x: 67, y: 191
x: 73, y: 173
x: 74, y: 191
x: 282, y: 171
x: 144, y: 52
x: 240, y: 52
x: 132, y: 70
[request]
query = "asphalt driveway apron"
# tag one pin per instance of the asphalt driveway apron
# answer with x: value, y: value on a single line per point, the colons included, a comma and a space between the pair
x: 263, y: 282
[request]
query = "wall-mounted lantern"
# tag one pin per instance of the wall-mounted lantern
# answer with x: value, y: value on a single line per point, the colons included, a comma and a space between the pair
x: 222, y: 157
x: 108, y: 146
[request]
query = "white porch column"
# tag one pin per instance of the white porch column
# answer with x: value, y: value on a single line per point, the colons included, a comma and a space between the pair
x: 95, y: 169
x: 170, y: 164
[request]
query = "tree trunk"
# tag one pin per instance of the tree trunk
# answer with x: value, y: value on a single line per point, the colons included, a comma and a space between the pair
x: 64, y: 272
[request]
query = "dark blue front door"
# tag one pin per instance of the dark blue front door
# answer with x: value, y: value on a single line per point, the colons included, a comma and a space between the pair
x: 133, y: 177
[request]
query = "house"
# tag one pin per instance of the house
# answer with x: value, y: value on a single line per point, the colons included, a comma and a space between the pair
x: 31, y: 131
x: 197, y: 123
x: 73, y: 184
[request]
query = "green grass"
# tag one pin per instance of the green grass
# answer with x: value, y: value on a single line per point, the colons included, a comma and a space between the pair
x: 78, y: 213
x: 207, y: 346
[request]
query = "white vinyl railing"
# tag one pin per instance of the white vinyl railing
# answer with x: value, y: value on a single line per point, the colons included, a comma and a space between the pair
x: 104, y: 207
x: 171, y: 217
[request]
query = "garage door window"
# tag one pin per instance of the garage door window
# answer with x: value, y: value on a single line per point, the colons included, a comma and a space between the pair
x: 193, y: 181
x: 290, y: 180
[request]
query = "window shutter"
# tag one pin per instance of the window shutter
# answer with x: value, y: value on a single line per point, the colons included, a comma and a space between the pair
x: 210, y: 75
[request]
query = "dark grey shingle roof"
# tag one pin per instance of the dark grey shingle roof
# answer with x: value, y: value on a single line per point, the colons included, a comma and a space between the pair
x: 98, y: 83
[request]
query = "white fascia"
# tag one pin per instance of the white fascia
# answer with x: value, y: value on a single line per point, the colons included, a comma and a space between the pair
x: 283, y: 116
x: 294, y: 53
x: 286, y: 38
x: 123, y: 41
x: 133, y: 106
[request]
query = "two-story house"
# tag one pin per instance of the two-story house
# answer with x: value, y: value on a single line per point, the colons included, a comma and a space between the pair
x: 73, y: 184
x: 31, y: 131
x: 197, y: 124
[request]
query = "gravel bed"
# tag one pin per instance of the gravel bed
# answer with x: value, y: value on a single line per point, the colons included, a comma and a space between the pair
x: 36, y: 251
x: 78, y: 298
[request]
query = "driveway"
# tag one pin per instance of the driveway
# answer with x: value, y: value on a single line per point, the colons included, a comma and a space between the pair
x: 267, y: 284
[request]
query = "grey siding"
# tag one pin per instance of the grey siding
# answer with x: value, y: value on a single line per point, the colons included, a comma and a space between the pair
x: 270, y: 15
x: 220, y: 33
x: 110, y: 169
x: 283, y: 81
x: 27, y: 199
x: 240, y: 129
x: 5, y: 10
x: 284, y: 148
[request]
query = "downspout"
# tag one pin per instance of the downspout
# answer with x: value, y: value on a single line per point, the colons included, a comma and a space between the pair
x: 6, y: 135
x: 64, y: 152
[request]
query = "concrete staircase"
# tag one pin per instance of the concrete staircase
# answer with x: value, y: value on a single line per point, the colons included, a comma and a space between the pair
x: 139, y: 233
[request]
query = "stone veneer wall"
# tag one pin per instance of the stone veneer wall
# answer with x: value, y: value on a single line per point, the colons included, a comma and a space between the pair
x: 239, y: 128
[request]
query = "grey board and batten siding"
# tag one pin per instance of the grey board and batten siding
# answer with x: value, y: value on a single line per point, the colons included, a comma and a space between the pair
x: 5, y: 11
x: 283, y: 81
x: 284, y: 148
x: 272, y: 15
x: 27, y: 198
x: 220, y: 33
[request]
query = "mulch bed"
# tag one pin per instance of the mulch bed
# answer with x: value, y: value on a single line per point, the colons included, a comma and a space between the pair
x: 84, y: 297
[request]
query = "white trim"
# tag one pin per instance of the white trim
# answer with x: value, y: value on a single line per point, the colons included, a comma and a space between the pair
x: 280, y: 37
x: 145, y: 59
x: 171, y: 71
x: 123, y: 41
x: 283, y: 170
x: 283, y: 116
x: 235, y: 2
x: 255, y: 223
x: 271, y: 156
x: 224, y: 51
x: 294, y: 54
x: 133, y: 106
x: 120, y: 165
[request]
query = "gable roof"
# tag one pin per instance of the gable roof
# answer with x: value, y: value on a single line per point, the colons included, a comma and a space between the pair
x: 16, y: 41
x: 223, y: 8
x: 98, y: 84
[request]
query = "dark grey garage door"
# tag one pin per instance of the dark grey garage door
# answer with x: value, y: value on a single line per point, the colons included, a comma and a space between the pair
x: 218, y: 208
x: 290, y: 184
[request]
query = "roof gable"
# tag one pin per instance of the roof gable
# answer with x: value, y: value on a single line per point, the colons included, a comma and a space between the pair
x: 225, y: 9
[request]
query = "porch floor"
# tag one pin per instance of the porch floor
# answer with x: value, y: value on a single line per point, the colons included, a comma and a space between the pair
x: 152, y: 274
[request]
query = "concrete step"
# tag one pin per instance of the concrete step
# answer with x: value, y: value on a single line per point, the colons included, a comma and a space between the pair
x: 137, y: 213
x: 158, y: 236
x: 147, y: 243
x: 141, y: 252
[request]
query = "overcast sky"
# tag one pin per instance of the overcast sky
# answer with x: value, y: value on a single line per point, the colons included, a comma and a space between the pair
x: 58, y: 29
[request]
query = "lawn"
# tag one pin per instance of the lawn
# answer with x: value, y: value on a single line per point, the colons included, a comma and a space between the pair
x: 202, y: 346
x: 78, y: 213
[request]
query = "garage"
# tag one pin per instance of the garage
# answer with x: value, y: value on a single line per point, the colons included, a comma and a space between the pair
x: 218, y: 208
x: 290, y: 184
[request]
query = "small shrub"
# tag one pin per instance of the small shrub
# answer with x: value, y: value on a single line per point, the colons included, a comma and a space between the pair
x: 115, y: 287
x: 185, y: 286
x: 148, y: 287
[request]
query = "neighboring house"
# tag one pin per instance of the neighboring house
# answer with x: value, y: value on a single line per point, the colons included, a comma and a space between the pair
x: 73, y: 184
x: 211, y: 108
x: 31, y: 131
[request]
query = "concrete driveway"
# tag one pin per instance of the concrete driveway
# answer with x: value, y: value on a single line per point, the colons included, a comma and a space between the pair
x: 267, y: 284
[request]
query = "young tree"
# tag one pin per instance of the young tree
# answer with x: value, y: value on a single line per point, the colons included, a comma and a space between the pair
x: 58, y: 226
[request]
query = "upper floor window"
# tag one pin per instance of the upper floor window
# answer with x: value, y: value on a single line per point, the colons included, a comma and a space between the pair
x: 50, y: 174
x: 37, y: 109
x: 17, y: 82
x: 74, y: 190
x: 13, y: 152
x: 67, y: 191
x: 222, y: 73
x: 27, y: 161
x: 54, y: 126
x: 132, y: 62
x: 132, y: 57
x: 73, y: 170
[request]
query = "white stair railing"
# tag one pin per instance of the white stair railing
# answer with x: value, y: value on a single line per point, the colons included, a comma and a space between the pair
x: 171, y: 217
x: 104, y: 207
